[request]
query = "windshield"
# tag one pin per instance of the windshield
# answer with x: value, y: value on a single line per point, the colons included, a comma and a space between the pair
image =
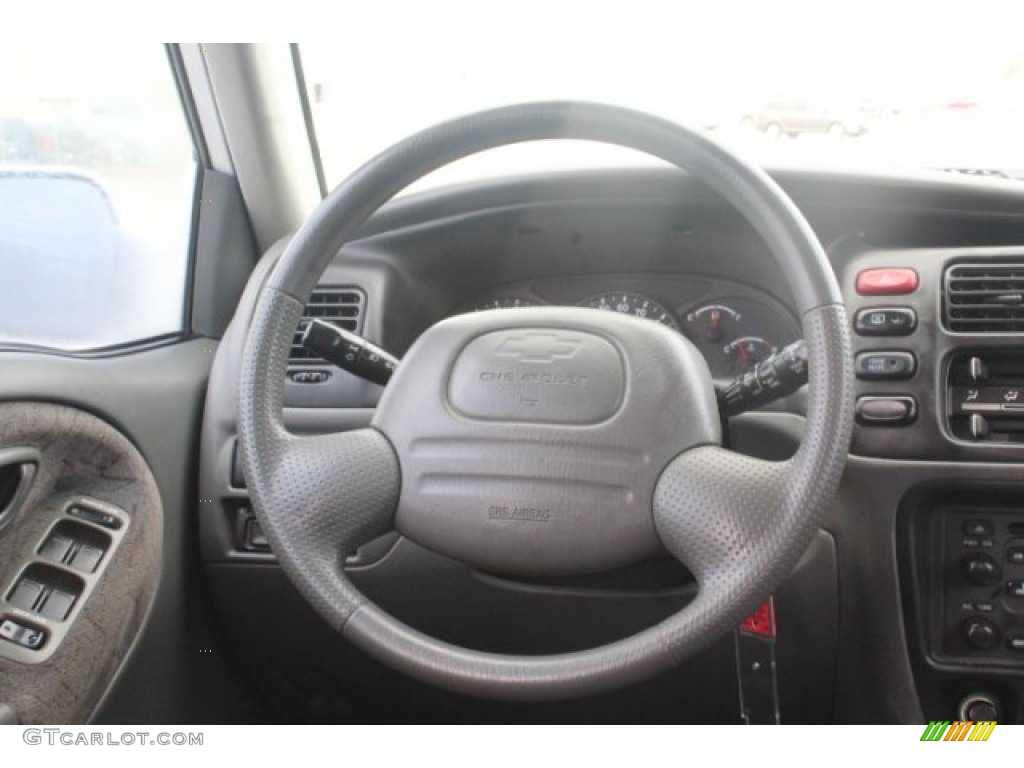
x: 897, y: 85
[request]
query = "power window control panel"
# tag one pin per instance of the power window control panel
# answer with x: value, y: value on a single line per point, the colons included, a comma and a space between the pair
x: 38, y: 608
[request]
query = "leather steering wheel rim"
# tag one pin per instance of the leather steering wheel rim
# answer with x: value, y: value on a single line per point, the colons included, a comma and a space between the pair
x: 740, y: 524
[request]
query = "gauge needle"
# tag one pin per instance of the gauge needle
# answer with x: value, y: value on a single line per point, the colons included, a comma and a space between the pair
x: 715, y: 332
x: 744, y: 352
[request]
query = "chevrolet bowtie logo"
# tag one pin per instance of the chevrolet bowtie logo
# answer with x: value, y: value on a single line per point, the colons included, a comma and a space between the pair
x: 539, y: 347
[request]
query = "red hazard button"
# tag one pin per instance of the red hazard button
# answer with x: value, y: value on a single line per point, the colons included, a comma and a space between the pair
x: 887, y: 282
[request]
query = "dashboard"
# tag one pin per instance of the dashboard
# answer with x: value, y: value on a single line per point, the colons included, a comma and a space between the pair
x: 911, y: 599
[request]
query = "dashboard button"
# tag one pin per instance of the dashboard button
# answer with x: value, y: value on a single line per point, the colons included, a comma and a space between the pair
x: 885, y: 321
x: 885, y: 365
x: 1015, y: 554
x: 309, y: 377
x: 255, y: 538
x: 1015, y: 588
x: 888, y: 281
x: 978, y: 527
x: 893, y: 411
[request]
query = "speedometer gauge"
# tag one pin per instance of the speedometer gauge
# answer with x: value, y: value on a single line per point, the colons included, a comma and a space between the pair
x: 633, y: 304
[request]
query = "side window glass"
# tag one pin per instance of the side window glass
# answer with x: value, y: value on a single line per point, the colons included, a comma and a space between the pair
x: 97, y: 186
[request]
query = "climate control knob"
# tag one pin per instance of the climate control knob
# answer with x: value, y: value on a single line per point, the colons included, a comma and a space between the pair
x: 981, y: 634
x: 979, y: 569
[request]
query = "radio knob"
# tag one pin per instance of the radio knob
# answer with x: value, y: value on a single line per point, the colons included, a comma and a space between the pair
x: 981, y: 634
x: 979, y: 569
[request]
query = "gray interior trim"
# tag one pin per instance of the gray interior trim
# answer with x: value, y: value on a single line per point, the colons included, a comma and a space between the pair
x: 207, y: 115
x: 254, y: 89
x: 225, y: 256
x: 307, y: 117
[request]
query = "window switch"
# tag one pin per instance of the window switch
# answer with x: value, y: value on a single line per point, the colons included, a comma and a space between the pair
x: 87, y: 558
x: 27, y: 637
x: 56, y: 548
x: 95, y: 516
x: 57, y: 605
x: 25, y: 594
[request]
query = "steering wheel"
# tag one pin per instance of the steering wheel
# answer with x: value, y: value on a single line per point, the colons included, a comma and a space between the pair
x: 545, y: 441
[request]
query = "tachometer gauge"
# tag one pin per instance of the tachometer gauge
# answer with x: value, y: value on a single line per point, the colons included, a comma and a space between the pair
x: 735, y: 334
x: 633, y: 304
x: 506, y: 302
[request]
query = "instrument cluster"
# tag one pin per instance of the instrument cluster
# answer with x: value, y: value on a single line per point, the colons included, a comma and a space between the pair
x: 734, y: 326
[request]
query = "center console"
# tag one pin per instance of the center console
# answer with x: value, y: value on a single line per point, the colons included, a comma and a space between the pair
x: 939, y: 359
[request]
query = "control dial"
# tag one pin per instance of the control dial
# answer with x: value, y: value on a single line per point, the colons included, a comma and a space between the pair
x: 980, y: 633
x: 979, y: 568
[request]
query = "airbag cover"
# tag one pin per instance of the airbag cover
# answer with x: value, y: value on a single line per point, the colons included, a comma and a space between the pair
x: 539, y: 375
x: 530, y: 440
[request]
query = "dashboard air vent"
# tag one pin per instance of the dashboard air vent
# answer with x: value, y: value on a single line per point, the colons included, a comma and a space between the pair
x: 985, y: 298
x: 340, y: 305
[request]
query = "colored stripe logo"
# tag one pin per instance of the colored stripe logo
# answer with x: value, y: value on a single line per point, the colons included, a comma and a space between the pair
x: 943, y: 730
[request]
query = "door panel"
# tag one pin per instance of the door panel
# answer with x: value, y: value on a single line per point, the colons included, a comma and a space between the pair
x: 169, y: 666
x: 79, y: 561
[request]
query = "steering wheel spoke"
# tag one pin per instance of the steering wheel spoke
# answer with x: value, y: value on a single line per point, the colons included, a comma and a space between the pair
x: 340, y: 488
x: 334, y: 492
x: 718, y: 511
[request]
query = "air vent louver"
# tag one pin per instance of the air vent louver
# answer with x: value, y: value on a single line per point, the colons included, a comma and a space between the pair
x: 341, y: 306
x: 985, y: 298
